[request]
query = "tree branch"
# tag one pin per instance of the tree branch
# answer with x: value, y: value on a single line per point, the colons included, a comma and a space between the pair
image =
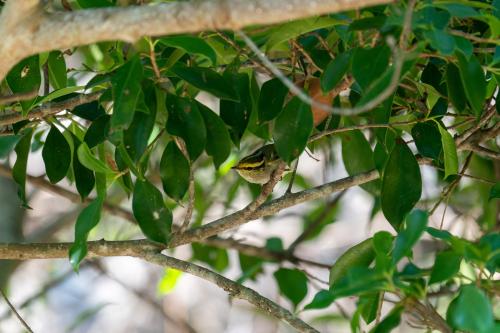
x: 35, y: 32
x: 50, y: 108
x: 150, y: 252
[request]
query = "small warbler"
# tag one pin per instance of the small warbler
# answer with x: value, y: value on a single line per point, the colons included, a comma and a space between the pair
x: 259, y: 165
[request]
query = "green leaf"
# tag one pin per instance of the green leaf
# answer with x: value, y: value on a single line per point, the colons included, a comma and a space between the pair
x: 473, y: 80
x: 7, y: 143
x: 84, y: 178
x: 88, y: 160
x: 358, y: 281
x: 56, y: 155
x: 334, y: 71
x: 218, y: 140
x: 89, y: 111
x: 390, y: 321
x: 401, y: 184
x: 360, y: 255
x: 292, y: 284
x: 192, y: 45
x: 321, y: 300
x: 25, y: 77
x: 87, y: 219
x: 136, y: 136
x: 449, y: 153
x: 271, y: 99
x: 471, y: 311
x: 237, y: 114
x: 358, y: 157
x: 427, y: 138
x: 154, y: 218
x: 126, y: 90
x: 292, y: 129
x: 186, y: 122
x: 369, y: 64
x: 98, y: 131
x: 441, y: 41
x: 495, y: 191
x: 94, y: 3
x: 57, y: 70
x: 416, y: 222
x: 369, y: 306
x: 207, y: 80
x: 445, y: 267
x: 174, y: 172
x: 19, y: 169
x: 290, y: 30
x: 456, y: 91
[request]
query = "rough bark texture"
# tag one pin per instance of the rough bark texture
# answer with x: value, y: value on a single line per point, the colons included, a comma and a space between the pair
x: 25, y: 29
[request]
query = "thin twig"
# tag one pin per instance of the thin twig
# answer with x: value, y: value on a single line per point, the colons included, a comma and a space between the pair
x: 13, y: 309
x: 311, y: 227
x: 474, y: 37
x: 306, y: 55
x: 50, y: 108
x: 18, y: 97
x: 304, y: 97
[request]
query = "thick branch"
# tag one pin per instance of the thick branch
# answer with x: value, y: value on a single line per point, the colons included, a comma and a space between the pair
x: 149, y: 252
x: 49, y: 109
x: 36, y: 32
x: 240, y: 217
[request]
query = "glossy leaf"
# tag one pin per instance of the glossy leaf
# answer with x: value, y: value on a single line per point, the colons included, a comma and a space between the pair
x: 292, y: 129
x: 88, y: 160
x: 126, y: 90
x: 471, y: 311
x: 174, y: 172
x: 136, y: 136
x: 369, y: 64
x: 473, y: 80
x: 218, y: 140
x: 7, y: 144
x: 390, y: 321
x: 236, y: 114
x: 186, y: 122
x: 292, y: 284
x: 154, y: 218
x: 25, y: 77
x: 358, y: 281
x: 271, y: 99
x: 441, y: 41
x: 323, y: 299
x: 207, y: 80
x: 334, y: 72
x: 293, y: 29
x: 98, y: 131
x: 495, y: 191
x: 401, y: 184
x: 449, y: 153
x: 427, y: 137
x: 89, y: 111
x: 56, y: 155
x: 57, y: 70
x: 84, y: 178
x: 456, y: 92
x: 358, y: 157
x: 446, y: 265
x: 87, y: 219
x: 416, y: 222
x: 360, y: 255
x: 19, y: 169
x: 192, y: 45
